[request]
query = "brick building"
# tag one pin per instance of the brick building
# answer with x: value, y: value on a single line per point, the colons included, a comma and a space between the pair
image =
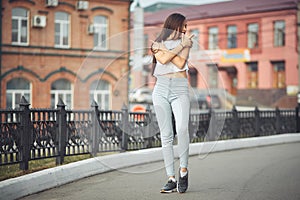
x: 248, y: 48
x: 75, y: 50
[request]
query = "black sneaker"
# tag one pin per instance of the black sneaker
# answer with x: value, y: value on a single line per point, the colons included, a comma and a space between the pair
x: 182, y: 185
x: 169, y: 187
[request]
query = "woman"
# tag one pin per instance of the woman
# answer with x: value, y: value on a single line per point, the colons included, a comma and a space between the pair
x: 170, y: 95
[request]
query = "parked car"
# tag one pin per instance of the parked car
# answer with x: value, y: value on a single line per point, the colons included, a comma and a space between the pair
x: 141, y: 95
x: 204, y: 101
x: 199, y: 102
x: 213, y: 101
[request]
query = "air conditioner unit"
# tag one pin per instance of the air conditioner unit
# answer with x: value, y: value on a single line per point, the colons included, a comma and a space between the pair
x: 51, y: 3
x: 39, y: 21
x: 91, y: 29
x: 82, y: 5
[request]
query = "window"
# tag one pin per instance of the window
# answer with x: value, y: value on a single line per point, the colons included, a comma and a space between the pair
x: 252, y: 70
x: 146, y: 43
x: 231, y: 37
x: 213, y: 38
x: 100, y: 32
x: 19, y: 26
x: 62, y: 30
x: 278, y: 74
x: 193, y: 74
x: 252, y: 36
x: 15, y: 89
x: 279, y: 33
x: 100, y: 92
x: 61, y: 88
x: 213, y: 75
x: 195, y: 39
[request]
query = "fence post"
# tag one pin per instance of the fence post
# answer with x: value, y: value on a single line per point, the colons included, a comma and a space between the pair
x: 95, y: 128
x: 277, y: 125
x: 257, y: 121
x: 125, y: 125
x: 26, y: 134
x: 147, y: 128
x: 236, y: 126
x: 61, y: 131
x: 297, y: 118
x: 212, y: 123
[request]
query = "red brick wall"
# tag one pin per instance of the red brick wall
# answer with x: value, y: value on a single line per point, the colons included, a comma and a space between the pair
x: 264, y: 54
x: 42, y: 63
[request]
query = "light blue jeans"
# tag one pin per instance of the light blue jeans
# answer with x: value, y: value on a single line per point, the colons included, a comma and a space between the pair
x: 172, y: 95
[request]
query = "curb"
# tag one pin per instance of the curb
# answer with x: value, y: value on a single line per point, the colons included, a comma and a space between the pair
x: 42, y: 180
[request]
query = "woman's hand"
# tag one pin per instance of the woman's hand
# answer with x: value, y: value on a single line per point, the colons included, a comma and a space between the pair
x: 156, y: 46
x: 186, y: 41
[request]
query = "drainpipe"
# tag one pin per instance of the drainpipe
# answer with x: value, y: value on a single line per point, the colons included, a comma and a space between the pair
x: 0, y: 53
x: 298, y: 33
x: 128, y: 60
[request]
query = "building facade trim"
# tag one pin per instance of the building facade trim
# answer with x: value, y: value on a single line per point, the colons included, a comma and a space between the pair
x: 62, y: 69
x: 63, y: 49
x: 102, y: 8
x: 67, y: 4
x: 29, y: 1
x: 59, y: 54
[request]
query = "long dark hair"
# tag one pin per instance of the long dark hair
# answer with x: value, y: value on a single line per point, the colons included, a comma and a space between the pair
x: 174, y: 22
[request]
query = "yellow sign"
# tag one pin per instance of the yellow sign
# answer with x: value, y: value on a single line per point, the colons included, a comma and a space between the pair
x: 235, y: 55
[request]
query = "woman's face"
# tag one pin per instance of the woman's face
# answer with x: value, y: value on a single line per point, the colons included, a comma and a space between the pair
x: 179, y: 31
x: 184, y: 27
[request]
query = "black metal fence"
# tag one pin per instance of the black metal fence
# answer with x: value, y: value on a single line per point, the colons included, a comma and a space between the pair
x: 31, y: 134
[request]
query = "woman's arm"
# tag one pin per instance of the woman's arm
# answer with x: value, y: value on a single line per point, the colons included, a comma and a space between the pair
x: 179, y: 53
x: 182, y: 58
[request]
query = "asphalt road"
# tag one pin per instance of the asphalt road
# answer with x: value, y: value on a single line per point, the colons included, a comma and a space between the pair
x: 263, y: 173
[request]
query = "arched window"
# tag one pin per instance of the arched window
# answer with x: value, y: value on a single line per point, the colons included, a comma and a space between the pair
x: 100, y: 32
x: 15, y: 89
x: 100, y: 92
x: 61, y: 88
x: 62, y: 30
x: 19, y: 32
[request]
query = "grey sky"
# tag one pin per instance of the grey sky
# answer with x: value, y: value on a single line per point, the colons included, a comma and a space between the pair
x: 144, y: 3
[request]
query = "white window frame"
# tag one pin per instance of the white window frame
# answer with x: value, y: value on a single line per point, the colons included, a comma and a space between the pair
x: 213, y: 38
x: 279, y: 33
x: 231, y: 36
x: 101, y: 29
x: 62, y: 24
x: 253, y: 35
x: 21, y: 92
x: 100, y: 96
x: 14, y: 94
x: 195, y: 39
x: 213, y: 76
x: 63, y: 93
x: 19, y: 20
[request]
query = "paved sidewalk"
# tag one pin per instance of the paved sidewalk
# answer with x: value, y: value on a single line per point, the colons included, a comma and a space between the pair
x: 54, y: 177
x: 270, y: 172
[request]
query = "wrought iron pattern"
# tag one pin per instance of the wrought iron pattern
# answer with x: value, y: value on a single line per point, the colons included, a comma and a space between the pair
x: 228, y: 125
x: 246, y: 121
x: 43, y: 133
x: 9, y: 136
x: 78, y: 138
x: 198, y: 126
x: 143, y: 130
x: 267, y: 122
x: 59, y: 132
x: 110, y: 130
x: 287, y: 122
